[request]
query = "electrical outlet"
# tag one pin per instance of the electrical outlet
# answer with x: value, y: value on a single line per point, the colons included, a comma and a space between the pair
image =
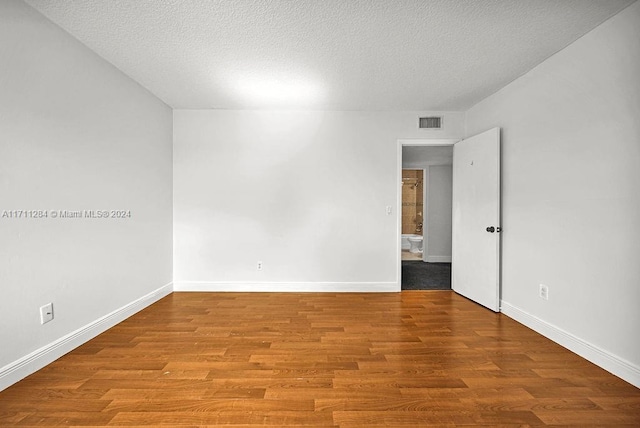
x: 543, y: 292
x: 46, y: 313
x: 259, y: 265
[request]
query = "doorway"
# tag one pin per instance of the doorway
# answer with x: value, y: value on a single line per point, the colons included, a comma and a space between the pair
x: 425, y: 194
x: 476, y: 226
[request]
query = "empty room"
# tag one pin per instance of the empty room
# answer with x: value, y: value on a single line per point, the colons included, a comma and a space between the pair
x: 208, y: 209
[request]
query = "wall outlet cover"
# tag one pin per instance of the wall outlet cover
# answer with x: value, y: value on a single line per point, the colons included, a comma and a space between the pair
x: 46, y: 313
x: 543, y: 292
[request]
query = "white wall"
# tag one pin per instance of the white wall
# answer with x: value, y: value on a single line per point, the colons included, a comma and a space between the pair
x: 75, y: 134
x: 439, y: 204
x: 303, y: 192
x: 571, y: 193
x: 420, y: 157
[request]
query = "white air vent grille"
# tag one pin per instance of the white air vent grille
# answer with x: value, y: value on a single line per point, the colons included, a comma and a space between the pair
x: 432, y: 122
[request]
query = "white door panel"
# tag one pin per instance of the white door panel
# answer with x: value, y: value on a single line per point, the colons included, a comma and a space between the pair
x: 476, y: 207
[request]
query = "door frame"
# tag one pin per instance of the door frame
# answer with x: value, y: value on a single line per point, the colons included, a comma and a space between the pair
x: 424, y: 142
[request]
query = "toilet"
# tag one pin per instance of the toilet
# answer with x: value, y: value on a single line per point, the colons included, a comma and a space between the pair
x: 416, y: 243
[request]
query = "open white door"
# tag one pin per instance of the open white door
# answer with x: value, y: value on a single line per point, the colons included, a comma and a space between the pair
x: 476, y: 219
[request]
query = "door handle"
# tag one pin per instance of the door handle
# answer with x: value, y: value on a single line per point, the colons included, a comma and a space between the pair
x: 491, y: 229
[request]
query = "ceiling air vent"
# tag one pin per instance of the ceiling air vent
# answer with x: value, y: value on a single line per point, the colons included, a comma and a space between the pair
x: 432, y: 122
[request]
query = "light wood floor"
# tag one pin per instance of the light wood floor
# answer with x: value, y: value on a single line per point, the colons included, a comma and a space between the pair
x: 417, y: 358
x: 407, y: 255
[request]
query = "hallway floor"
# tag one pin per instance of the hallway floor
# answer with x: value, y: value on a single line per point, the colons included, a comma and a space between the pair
x: 418, y: 275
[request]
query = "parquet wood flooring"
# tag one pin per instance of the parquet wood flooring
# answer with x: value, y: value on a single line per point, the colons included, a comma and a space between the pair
x: 416, y: 358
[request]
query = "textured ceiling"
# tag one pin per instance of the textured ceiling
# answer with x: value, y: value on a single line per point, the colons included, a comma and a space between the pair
x: 326, y: 54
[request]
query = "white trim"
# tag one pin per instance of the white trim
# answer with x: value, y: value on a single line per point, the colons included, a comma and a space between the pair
x: 428, y: 141
x: 425, y: 212
x: 399, y: 214
x: 409, y: 142
x: 286, y: 287
x: 438, y: 259
x: 598, y: 356
x: 23, y: 367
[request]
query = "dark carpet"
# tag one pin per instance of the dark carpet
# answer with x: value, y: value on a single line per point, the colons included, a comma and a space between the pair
x: 417, y: 275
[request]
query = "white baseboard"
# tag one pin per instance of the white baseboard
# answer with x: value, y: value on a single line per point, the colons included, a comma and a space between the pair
x: 439, y: 259
x: 598, y: 356
x: 284, y: 287
x: 19, y: 369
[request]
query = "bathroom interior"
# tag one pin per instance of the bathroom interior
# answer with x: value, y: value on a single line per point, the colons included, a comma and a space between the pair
x: 412, y: 214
